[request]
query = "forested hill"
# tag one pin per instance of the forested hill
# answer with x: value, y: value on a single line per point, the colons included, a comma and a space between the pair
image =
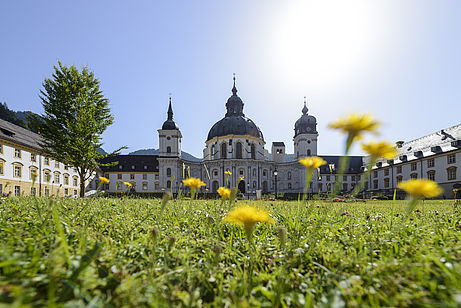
x: 16, y: 117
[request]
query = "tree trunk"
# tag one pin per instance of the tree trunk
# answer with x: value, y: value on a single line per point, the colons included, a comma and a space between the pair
x: 82, y: 187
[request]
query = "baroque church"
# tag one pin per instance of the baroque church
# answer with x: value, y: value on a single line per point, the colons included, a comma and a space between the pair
x: 236, y: 144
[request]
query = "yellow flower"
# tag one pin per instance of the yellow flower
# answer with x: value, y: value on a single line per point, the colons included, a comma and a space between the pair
x: 127, y: 184
x: 421, y: 188
x: 355, y: 124
x: 241, y: 178
x: 380, y: 149
x: 224, y: 192
x: 193, y: 182
x: 104, y: 180
x: 228, y: 172
x: 312, y: 163
x: 247, y: 217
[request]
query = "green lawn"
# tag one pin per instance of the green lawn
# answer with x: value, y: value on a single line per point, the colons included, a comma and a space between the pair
x: 128, y: 252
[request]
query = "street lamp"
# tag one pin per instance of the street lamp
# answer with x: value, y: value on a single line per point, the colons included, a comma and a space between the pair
x: 248, y: 190
x: 275, y: 174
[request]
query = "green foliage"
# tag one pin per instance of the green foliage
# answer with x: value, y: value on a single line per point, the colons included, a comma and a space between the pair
x: 148, y: 252
x: 20, y: 118
x: 75, y: 115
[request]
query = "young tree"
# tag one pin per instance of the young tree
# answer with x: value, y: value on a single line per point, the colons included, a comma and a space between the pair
x: 76, y: 114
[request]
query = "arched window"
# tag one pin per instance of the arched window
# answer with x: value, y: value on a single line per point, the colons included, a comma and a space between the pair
x: 168, y: 184
x: 289, y: 175
x: 253, y: 151
x: 308, y: 152
x: 223, y: 150
x: 168, y: 149
x: 238, y: 150
x: 168, y: 172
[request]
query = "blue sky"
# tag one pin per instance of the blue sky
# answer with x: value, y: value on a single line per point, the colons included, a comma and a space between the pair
x: 399, y: 60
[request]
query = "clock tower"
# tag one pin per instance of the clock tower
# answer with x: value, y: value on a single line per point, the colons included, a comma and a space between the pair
x: 305, y: 139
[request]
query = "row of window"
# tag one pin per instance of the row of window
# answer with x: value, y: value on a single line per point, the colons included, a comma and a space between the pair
x: 17, y: 173
x: 241, y: 173
x: 328, y: 186
x: 120, y: 186
x: 238, y: 150
x: 33, y: 158
x: 451, y: 159
x: 33, y: 191
x: 451, y: 175
x: 353, y: 178
x: 132, y: 176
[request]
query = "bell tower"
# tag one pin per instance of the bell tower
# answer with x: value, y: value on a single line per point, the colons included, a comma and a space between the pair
x: 305, y: 139
x: 169, y: 137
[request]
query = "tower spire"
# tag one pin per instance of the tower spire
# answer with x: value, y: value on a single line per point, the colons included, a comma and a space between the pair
x: 305, y: 110
x: 234, y: 88
x: 170, y: 111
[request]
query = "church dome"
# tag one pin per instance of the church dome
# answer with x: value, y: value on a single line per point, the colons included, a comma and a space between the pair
x: 234, y: 122
x: 306, y: 124
x: 235, y: 125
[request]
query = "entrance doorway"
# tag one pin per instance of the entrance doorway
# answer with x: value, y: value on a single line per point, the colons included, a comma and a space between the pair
x: 242, y: 187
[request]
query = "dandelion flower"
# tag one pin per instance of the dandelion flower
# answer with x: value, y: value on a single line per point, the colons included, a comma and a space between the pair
x: 193, y: 182
x: 247, y: 217
x: 380, y: 149
x: 241, y: 178
x: 104, y: 180
x: 419, y: 189
x: 224, y: 192
x: 127, y: 184
x: 312, y: 163
x: 228, y: 172
x: 355, y: 124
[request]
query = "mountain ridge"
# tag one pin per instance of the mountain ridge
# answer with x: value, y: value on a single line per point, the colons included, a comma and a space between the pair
x: 184, y: 155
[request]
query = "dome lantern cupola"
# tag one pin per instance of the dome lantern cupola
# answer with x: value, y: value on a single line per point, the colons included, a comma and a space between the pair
x: 306, y: 124
x: 235, y: 122
x: 234, y: 104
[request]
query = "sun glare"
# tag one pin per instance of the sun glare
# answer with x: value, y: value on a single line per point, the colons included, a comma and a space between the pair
x: 324, y: 42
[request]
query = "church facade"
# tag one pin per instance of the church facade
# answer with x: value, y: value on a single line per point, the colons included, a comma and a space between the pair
x: 236, y: 144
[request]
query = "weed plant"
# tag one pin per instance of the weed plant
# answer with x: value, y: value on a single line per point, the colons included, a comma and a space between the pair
x: 133, y: 252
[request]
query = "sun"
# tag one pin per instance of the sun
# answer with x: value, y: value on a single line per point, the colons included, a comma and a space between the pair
x: 324, y: 42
